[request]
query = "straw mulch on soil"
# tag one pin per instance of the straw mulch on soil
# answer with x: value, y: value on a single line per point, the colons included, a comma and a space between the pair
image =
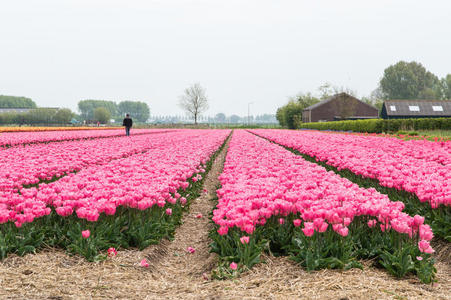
x: 176, y: 274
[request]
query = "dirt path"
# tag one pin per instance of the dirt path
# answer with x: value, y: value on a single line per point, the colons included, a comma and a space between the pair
x: 172, y: 260
x: 176, y: 274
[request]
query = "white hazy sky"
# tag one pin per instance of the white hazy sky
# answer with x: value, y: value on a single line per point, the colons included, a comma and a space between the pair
x: 58, y: 52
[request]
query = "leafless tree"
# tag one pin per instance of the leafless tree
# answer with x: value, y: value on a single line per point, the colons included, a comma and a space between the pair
x: 194, y: 101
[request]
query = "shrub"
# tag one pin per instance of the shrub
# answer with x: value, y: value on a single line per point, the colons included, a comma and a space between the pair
x: 380, y: 125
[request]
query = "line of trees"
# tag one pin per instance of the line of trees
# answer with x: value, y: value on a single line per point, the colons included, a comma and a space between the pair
x: 411, y: 80
x: 103, y: 111
x: 22, y: 110
x: 16, y: 102
x: 219, y: 118
x: 38, y: 116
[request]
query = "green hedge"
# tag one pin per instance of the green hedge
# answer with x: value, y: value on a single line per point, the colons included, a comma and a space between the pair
x: 381, y: 125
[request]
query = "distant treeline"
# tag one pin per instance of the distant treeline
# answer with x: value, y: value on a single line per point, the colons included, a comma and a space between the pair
x: 16, y: 102
x: 27, y: 112
x: 94, y: 109
x: 38, y: 116
x: 219, y: 118
x: 22, y: 110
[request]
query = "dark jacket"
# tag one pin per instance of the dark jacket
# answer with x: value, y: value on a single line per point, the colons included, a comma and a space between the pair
x: 128, y: 122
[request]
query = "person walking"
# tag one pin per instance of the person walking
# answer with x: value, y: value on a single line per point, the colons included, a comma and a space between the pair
x: 128, y: 123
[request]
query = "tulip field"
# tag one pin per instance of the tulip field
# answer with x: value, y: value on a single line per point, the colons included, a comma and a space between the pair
x: 8, y: 139
x: 419, y: 169
x: 126, y: 191
x: 417, y: 166
x: 282, y: 202
x: 282, y: 192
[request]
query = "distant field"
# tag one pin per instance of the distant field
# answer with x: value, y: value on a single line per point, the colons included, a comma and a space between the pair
x: 49, y: 128
x: 435, y: 133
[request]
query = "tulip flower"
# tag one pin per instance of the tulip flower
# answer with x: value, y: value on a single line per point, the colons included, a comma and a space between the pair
x: 308, y: 229
x: 425, y: 247
x: 297, y: 222
x: 112, y: 252
x: 144, y: 263
x: 244, y: 240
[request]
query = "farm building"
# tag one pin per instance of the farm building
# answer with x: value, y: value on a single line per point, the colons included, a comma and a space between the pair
x: 339, y: 107
x: 401, y: 109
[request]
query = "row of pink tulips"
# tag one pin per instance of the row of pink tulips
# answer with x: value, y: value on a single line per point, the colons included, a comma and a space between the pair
x: 262, y: 180
x: 416, y: 166
x: 19, y: 138
x: 29, y: 165
x: 142, y: 180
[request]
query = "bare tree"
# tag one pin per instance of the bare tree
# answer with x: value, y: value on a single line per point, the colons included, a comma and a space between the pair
x: 194, y: 101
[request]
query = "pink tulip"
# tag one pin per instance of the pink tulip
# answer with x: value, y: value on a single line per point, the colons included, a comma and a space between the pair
x: 418, y: 220
x: 372, y: 223
x: 233, y: 266
x: 425, y: 232
x: 323, y: 227
x: 144, y: 263
x: 112, y: 252
x: 190, y: 250
x: 343, y: 231
x: 169, y: 211
x: 223, y: 230
x: 425, y: 247
x: 85, y: 233
x: 308, y: 229
x: 297, y: 222
x: 244, y: 240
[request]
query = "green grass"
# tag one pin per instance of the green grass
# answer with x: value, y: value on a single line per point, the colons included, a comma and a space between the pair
x: 432, y: 135
x: 435, y: 133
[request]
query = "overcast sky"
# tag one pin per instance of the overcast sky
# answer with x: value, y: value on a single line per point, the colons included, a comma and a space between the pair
x: 58, y: 52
